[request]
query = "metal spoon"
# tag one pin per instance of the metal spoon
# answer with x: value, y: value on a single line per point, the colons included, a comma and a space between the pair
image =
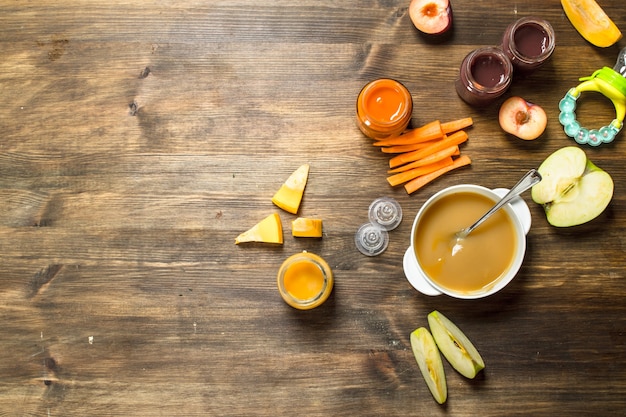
x: 531, y: 178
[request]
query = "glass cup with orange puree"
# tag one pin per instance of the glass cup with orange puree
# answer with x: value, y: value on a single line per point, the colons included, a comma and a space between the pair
x: 305, y: 280
x: 383, y: 109
x: 478, y: 265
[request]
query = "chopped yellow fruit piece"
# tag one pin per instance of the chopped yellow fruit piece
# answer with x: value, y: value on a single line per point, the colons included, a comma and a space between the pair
x: 268, y: 230
x: 289, y: 196
x: 590, y: 20
x: 304, y: 227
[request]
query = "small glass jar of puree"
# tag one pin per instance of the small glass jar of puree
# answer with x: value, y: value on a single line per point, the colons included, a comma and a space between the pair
x: 305, y: 281
x: 529, y: 43
x: 384, y: 108
x: 485, y: 74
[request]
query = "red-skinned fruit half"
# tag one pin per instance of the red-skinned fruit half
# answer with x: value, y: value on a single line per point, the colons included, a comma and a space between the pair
x: 521, y: 118
x: 432, y: 17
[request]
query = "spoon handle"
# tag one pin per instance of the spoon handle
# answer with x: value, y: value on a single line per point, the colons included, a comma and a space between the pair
x: 531, y: 178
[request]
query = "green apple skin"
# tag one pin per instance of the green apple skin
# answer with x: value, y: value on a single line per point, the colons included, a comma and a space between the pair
x: 430, y: 364
x: 573, y: 190
x: 455, y: 346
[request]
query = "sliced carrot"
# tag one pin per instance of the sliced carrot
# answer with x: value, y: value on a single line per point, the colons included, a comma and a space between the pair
x: 455, y: 125
x: 405, y: 176
x: 437, y: 156
x: 407, y: 148
x: 454, y: 139
x: 419, y: 182
x: 424, y: 133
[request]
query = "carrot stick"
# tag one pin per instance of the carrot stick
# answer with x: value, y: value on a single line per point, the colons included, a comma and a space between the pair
x: 455, y: 125
x: 419, y: 182
x: 437, y: 156
x: 407, y: 148
x: 405, y: 176
x: 454, y: 139
x: 429, y: 131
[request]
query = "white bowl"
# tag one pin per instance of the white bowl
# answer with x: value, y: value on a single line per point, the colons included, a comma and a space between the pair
x: 519, y: 213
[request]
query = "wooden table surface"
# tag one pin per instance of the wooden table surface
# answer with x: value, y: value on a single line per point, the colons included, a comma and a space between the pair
x: 138, y: 139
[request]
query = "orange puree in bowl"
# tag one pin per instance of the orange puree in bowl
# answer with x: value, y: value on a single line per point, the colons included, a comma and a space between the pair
x: 305, y: 280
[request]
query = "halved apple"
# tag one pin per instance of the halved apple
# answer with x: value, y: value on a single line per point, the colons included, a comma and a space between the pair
x: 573, y: 190
x: 591, y: 22
x: 430, y: 364
x: 455, y: 346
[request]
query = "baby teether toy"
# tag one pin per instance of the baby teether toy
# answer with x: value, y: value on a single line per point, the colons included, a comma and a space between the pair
x: 612, y: 84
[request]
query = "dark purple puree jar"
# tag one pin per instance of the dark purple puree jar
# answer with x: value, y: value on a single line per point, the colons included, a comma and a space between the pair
x: 485, y: 74
x: 529, y: 43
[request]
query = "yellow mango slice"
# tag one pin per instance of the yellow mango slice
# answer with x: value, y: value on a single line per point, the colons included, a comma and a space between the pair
x: 305, y: 227
x: 268, y: 230
x: 591, y: 22
x: 289, y: 196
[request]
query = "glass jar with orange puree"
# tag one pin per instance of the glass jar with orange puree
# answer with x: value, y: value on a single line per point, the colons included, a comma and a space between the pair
x: 305, y: 280
x: 384, y: 108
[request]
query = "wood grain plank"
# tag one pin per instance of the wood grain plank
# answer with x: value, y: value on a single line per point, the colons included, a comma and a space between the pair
x: 137, y: 140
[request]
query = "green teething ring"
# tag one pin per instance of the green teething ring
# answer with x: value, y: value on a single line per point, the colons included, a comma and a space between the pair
x: 613, y: 86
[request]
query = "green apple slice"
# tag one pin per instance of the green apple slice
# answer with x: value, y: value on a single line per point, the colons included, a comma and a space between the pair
x: 573, y: 190
x: 429, y: 361
x: 455, y: 346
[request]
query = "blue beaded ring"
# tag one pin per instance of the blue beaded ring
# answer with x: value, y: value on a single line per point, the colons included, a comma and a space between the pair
x: 613, y: 86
